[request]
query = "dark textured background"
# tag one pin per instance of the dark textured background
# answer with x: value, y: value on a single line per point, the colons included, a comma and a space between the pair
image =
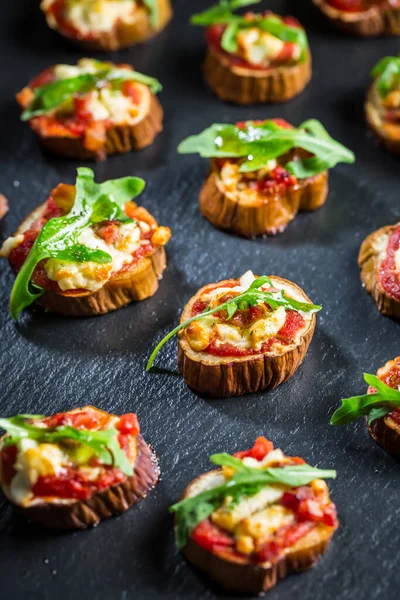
x: 50, y: 364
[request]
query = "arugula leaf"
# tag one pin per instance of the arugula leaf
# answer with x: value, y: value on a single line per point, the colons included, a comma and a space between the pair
x: 387, y: 72
x: 375, y: 406
x: 260, y: 143
x: 59, y: 238
x: 103, y: 443
x: 153, y: 9
x: 221, y: 14
x: 252, y: 296
x: 52, y: 95
x: 246, y: 481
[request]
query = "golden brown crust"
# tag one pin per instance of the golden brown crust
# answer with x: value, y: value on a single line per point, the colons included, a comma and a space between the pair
x: 80, y: 514
x: 124, y: 34
x: 227, y: 377
x: 119, y: 138
x: 387, y: 434
x: 136, y: 283
x: 387, y: 133
x: 373, y: 22
x: 239, y: 85
x: 369, y: 260
x: 250, y: 578
x: 260, y: 218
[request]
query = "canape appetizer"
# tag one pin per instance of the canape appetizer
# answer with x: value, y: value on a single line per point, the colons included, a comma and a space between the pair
x: 255, y: 58
x: 74, y: 469
x: 258, y: 517
x: 105, y: 25
x: 382, y: 107
x: 381, y: 407
x: 379, y: 261
x: 264, y: 172
x: 89, y: 249
x: 363, y: 17
x: 243, y: 336
x: 92, y: 109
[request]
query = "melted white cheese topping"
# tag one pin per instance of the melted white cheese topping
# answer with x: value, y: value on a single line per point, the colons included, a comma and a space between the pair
x: 259, y: 47
x: 98, y: 16
x: 92, y: 276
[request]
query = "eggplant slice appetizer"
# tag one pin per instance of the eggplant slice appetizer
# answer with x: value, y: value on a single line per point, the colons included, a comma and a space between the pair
x: 382, y: 107
x: 92, y: 109
x: 380, y: 406
x: 255, y: 58
x: 363, y: 17
x: 88, y: 250
x: 75, y: 469
x: 243, y: 336
x: 379, y: 261
x: 258, y: 517
x: 263, y: 172
x: 107, y: 25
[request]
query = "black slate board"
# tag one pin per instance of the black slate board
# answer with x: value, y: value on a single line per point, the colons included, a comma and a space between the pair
x: 50, y: 364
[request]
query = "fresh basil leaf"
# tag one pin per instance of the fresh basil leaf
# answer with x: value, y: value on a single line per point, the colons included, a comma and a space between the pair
x: 385, y: 398
x: 229, y: 41
x: 80, y: 253
x: 252, y: 296
x: 377, y: 413
x: 59, y: 236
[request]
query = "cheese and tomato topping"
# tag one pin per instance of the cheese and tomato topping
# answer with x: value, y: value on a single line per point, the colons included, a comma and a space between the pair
x: 87, y: 19
x: 67, y: 470
x: 251, y: 330
x: 88, y: 114
x: 262, y: 527
x: 387, y: 246
x: 390, y: 375
x: 383, y: 110
x: 256, y: 48
x: 126, y: 243
x: 255, y: 187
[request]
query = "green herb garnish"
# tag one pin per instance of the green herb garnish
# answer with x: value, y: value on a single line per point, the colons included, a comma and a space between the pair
x: 251, y: 297
x: 374, y: 406
x: 52, y: 95
x: 222, y: 14
x: 246, y: 481
x: 103, y: 443
x: 258, y: 144
x: 387, y: 73
x: 153, y: 9
x: 59, y: 237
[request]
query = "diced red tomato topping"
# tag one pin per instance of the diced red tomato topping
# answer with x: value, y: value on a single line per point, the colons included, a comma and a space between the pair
x: 308, y: 507
x: 108, y: 231
x: 52, y: 210
x: 44, y: 78
x: 88, y: 419
x: 72, y: 484
x: 276, y: 181
x: 284, y: 538
x: 8, y: 457
x: 260, y: 449
x: 18, y: 255
x: 130, y: 89
x: 212, y: 538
